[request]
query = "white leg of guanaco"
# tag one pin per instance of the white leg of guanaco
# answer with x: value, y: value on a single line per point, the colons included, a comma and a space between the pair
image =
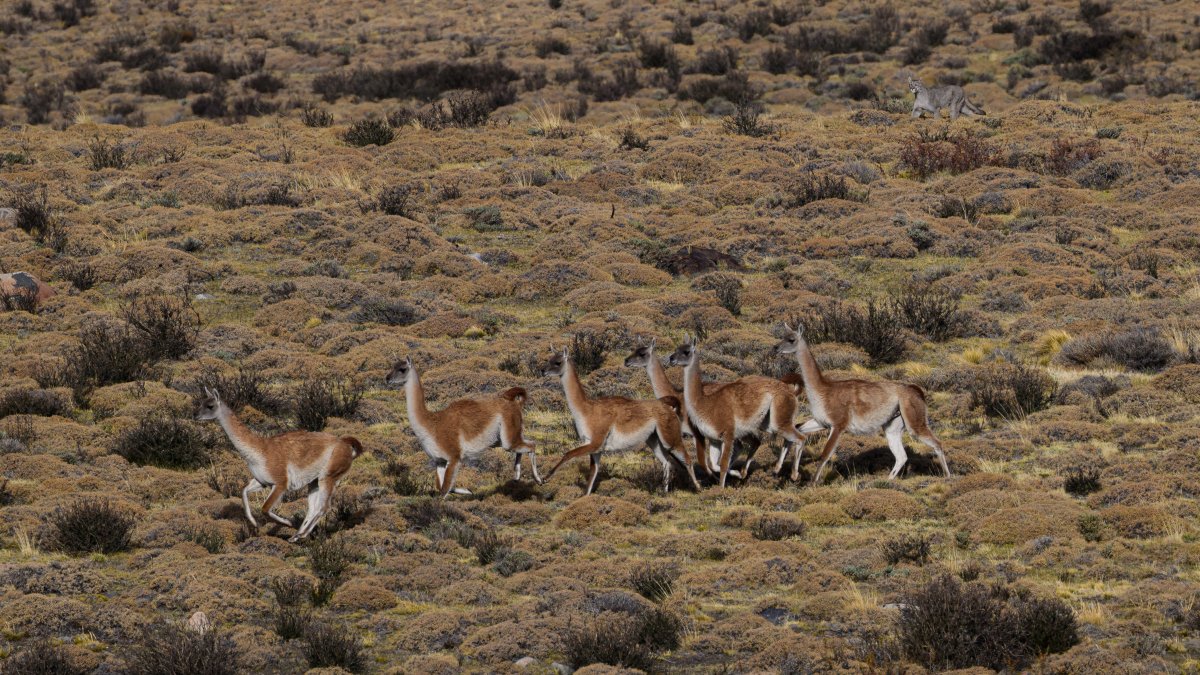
x: 895, y: 441
x: 251, y: 487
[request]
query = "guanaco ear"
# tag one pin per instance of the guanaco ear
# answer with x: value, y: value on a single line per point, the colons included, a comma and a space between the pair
x: 653, y: 341
x: 788, y: 327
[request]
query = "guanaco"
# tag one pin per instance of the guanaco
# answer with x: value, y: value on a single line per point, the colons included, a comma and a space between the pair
x: 616, y: 424
x: 465, y: 428
x: 860, y: 407
x: 285, y: 462
x: 643, y: 356
x: 749, y: 406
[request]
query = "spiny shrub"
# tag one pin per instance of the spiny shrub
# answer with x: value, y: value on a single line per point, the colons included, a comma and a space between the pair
x: 931, y: 312
x: 1081, y: 481
x: 622, y: 639
x: 85, y: 77
x: 92, y: 526
x: 452, y: 529
x: 947, y: 625
x: 330, y: 646
x: 396, y: 200
x: 485, y: 218
x: 313, y: 115
x: 163, y: 83
x: 1012, y: 390
x: 103, y: 154
x: 208, y: 537
x: 347, y: 511
x: 511, y: 561
x: 32, y: 402
x: 587, y: 350
x: 168, y: 327
x: 551, y: 44
x: 925, y: 154
x: 240, y: 389
x: 777, y: 527
x: 39, y: 221
x: 911, y: 547
x: 1067, y: 156
x: 290, y: 622
x: 403, y: 482
x: 165, y: 649
x: 1090, y: 526
x: 43, y: 658
x: 469, y: 109
x: 425, y: 512
x: 166, y: 442
x: 108, y: 353
x: 746, y: 120
x: 422, y: 81
x: 369, y: 132
x: 654, y: 581
x: 809, y: 187
x: 290, y: 590
x: 875, y: 330
x: 385, y: 311
x: 329, y: 558
x: 727, y: 287
x: 319, y: 398
x: 43, y: 97
x: 488, y: 546
x: 1138, y: 349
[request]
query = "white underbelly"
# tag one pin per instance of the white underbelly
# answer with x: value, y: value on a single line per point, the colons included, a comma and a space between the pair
x: 629, y: 439
x: 472, y: 446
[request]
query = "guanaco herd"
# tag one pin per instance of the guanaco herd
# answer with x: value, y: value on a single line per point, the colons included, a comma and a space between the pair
x: 724, y: 419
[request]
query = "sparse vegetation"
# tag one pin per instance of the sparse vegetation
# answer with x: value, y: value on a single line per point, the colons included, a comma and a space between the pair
x: 319, y: 398
x: 166, y: 442
x: 171, y: 648
x: 92, y: 526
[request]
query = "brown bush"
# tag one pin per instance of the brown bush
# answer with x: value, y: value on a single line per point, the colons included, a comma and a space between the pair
x: 877, y: 505
x: 595, y: 510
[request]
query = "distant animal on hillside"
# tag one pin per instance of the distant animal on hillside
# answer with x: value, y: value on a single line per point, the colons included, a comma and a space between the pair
x: 21, y: 289
x: 859, y: 407
x: 933, y: 99
x: 285, y: 462
x: 465, y: 428
x: 616, y: 424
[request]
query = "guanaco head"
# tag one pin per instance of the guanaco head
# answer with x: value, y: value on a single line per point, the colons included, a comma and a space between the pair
x: 684, y: 353
x: 209, y: 406
x: 641, y: 355
x: 400, y: 372
x: 556, y: 363
x: 793, y: 341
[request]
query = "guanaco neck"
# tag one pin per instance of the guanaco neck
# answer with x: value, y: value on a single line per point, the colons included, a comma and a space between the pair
x: 414, y: 393
x: 658, y: 378
x: 247, y: 443
x: 577, y: 399
x: 693, y: 392
x: 814, y: 381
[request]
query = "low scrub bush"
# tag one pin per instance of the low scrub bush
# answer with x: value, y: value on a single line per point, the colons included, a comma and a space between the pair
x: 654, y: 581
x: 319, y: 398
x: 587, y: 351
x: 1138, y: 349
x: 42, y: 97
x: 423, y: 80
x: 385, y: 311
x: 403, y: 482
x: 43, y: 658
x: 369, y: 132
x: 510, y: 561
x: 777, y: 527
x: 330, y: 646
x: 1081, y: 481
x: 1011, y: 390
x: 809, y: 188
x: 240, y: 389
x: 913, y: 548
x: 168, y: 327
x: 36, y: 218
x: 92, y: 526
x: 329, y: 558
x: 947, y: 625
x: 931, y: 312
x: 313, y: 115
x: 166, y: 442
x: 925, y: 154
x: 875, y: 329
x: 171, y: 648
x: 32, y: 402
x: 622, y: 639
x: 746, y: 120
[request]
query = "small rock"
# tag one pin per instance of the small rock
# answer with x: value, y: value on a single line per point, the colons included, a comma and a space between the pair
x: 525, y: 662
x: 199, y: 623
x: 205, y: 296
x: 562, y: 668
